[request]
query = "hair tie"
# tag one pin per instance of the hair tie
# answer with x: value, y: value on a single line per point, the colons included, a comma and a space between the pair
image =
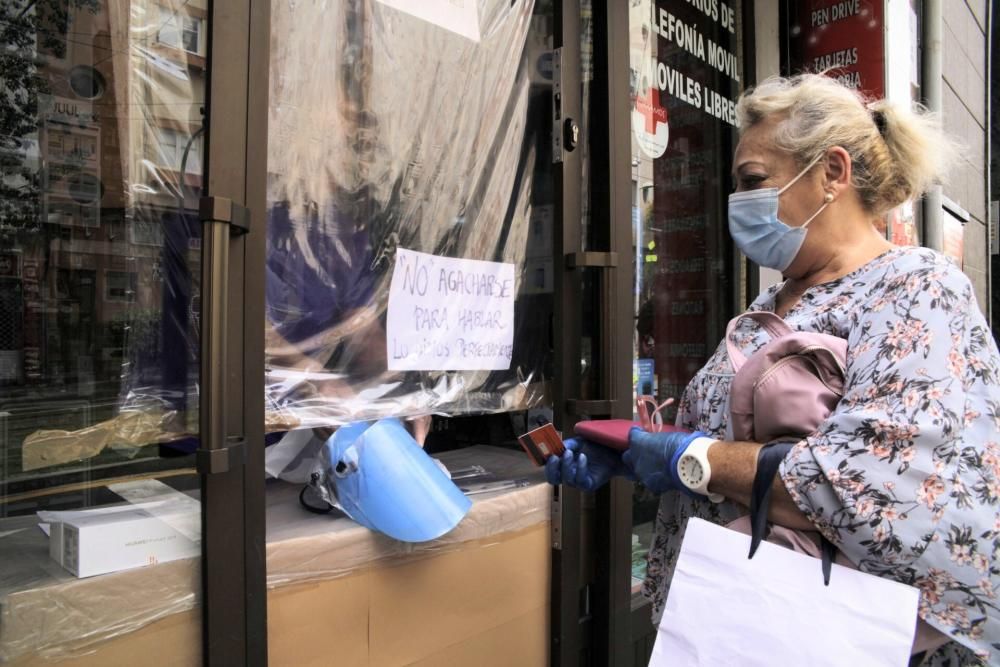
x: 879, y: 117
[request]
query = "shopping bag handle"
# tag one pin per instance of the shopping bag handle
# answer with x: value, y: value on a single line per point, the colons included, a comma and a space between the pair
x: 769, y: 458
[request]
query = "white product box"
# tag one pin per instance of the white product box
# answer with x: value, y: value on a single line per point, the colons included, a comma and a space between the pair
x: 92, y: 543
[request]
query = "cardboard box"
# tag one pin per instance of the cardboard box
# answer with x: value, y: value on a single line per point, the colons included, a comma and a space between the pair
x: 175, y: 641
x: 484, y: 604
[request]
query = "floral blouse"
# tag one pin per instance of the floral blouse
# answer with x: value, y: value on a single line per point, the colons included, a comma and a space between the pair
x: 904, y: 476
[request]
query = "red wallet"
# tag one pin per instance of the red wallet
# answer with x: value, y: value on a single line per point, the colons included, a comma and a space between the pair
x: 612, y: 433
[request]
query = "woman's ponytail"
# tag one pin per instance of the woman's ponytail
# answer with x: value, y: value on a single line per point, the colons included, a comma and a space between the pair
x: 915, y: 154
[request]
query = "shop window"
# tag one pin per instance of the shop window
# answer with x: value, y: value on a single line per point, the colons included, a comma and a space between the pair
x: 686, y: 72
x: 146, y: 233
x: 120, y: 286
x: 88, y: 349
x: 170, y: 147
x: 181, y: 31
x: 87, y: 82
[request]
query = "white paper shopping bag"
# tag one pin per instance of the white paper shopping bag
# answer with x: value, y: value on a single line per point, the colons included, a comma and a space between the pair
x: 725, y: 609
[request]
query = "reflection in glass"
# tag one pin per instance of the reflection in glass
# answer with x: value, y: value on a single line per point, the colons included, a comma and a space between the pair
x: 100, y: 173
x: 686, y: 71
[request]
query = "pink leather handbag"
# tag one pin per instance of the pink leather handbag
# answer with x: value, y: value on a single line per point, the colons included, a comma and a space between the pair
x: 789, y: 386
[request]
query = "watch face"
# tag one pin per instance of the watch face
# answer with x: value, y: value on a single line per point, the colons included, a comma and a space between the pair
x: 691, y: 472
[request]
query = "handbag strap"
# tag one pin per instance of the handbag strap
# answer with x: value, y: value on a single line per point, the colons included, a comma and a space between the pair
x: 769, y: 321
x: 648, y: 419
x: 769, y: 459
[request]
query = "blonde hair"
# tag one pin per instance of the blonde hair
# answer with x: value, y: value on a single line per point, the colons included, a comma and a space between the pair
x: 896, y: 153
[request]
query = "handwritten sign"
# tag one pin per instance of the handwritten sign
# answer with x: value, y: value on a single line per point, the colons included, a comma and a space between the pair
x: 449, y: 314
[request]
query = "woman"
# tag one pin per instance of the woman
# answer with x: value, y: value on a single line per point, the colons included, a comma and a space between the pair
x: 904, y: 476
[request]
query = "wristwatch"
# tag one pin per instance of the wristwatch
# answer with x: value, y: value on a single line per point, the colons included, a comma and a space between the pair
x: 694, y: 471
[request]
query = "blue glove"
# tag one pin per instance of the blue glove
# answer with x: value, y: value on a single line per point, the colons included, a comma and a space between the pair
x: 584, y: 465
x: 653, y: 458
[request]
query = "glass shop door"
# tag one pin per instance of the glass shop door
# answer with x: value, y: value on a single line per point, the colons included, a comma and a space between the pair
x: 442, y: 134
x: 114, y: 298
x: 672, y: 129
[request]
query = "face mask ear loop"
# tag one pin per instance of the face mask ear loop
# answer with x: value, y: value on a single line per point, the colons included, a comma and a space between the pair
x: 813, y: 216
x: 801, y: 174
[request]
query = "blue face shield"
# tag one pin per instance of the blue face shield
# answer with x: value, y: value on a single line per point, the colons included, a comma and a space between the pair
x: 384, y: 480
x: 757, y: 231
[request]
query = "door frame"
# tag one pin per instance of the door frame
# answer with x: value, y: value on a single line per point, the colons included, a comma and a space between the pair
x: 611, y: 216
x: 567, y: 607
x: 231, y: 458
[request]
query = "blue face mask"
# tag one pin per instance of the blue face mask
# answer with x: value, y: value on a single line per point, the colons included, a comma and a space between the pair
x: 757, y: 231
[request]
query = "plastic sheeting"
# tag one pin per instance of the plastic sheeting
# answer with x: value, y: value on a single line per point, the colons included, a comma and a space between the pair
x: 99, y: 250
x: 47, y: 612
x: 390, y: 131
x: 386, y: 131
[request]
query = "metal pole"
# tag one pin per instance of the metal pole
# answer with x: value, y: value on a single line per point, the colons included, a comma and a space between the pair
x: 932, y: 85
x: 991, y: 221
x: 637, y: 223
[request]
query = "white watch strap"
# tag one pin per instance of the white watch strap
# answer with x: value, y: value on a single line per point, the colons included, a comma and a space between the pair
x: 698, y: 450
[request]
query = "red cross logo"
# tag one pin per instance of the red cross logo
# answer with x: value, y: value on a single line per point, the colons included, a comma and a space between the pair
x: 649, y: 107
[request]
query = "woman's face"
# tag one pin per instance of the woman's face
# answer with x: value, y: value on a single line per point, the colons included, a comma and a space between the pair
x: 759, y: 164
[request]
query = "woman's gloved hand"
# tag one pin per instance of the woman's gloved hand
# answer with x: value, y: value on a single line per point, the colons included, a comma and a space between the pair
x: 585, y: 465
x: 653, y: 458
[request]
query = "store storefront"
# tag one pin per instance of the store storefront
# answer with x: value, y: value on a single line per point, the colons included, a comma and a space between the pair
x: 229, y: 229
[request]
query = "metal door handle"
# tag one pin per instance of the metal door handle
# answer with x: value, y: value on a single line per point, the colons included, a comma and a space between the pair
x: 221, y: 219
